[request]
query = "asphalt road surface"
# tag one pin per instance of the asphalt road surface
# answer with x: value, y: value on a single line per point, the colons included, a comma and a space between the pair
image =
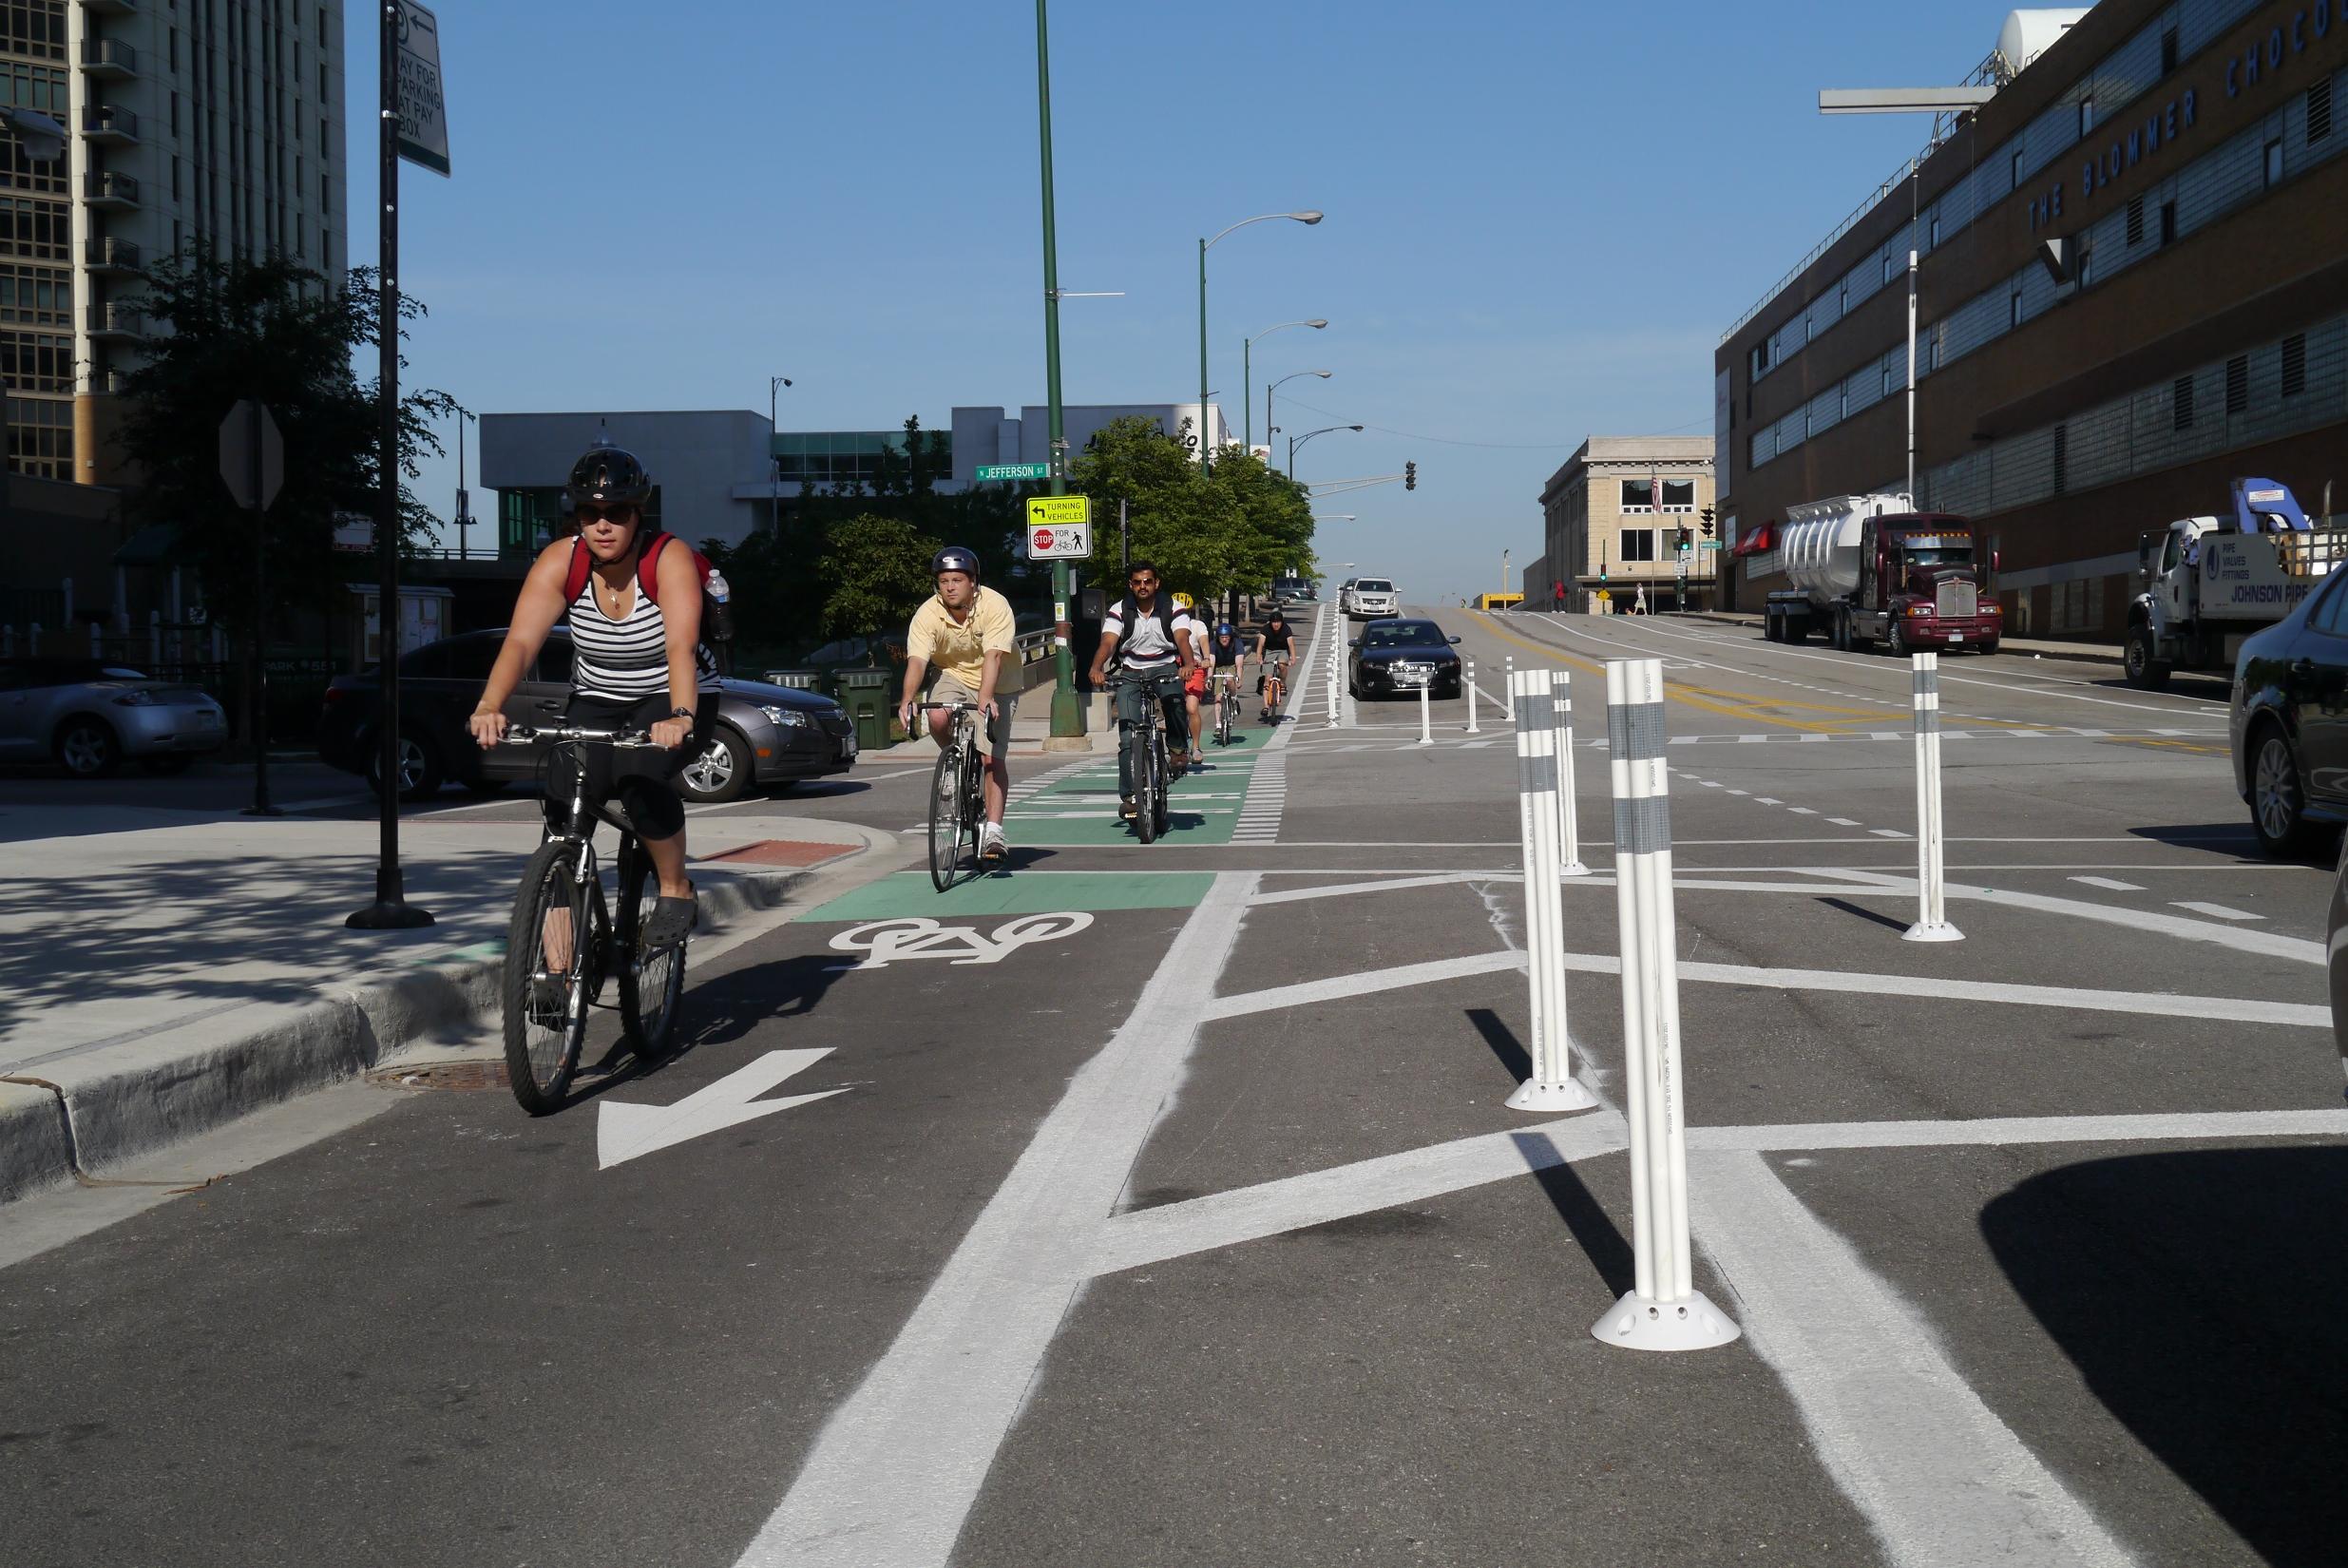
x: 1157, y: 1205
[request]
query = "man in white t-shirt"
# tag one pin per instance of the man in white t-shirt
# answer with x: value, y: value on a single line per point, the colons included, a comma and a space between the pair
x: 1151, y: 637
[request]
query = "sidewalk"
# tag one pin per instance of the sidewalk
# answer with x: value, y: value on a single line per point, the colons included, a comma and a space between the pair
x: 162, y: 973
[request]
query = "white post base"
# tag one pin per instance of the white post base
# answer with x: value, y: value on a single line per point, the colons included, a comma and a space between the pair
x: 1692, y: 1325
x: 1533, y: 1095
x: 1941, y: 931
x: 1572, y: 868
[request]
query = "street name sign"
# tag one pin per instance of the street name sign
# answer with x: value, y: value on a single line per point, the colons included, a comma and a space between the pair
x: 1014, y: 471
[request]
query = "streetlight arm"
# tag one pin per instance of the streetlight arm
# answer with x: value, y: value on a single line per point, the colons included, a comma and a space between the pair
x: 1284, y: 326
x: 1265, y: 218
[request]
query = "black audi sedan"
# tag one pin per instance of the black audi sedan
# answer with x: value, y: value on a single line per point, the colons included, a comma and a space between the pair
x: 1394, y: 656
x: 2288, y: 721
x: 765, y: 734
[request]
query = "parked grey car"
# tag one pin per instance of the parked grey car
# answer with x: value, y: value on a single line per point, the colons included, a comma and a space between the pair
x: 88, y: 715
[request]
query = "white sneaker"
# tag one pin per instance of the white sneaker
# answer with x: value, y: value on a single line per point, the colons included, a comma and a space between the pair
x: 991, y: 844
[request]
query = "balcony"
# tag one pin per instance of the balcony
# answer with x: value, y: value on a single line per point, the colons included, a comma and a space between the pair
x: 110, y: 57
x: 110, y: 255
x: 115, y: 321
x: 110, y: 192
x: 106, y: 123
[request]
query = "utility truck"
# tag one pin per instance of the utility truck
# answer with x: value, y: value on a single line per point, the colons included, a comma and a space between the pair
x: 2206, y: 583
x: 1872, y: 568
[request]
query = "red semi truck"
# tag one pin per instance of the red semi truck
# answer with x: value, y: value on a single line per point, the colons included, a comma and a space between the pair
x: 1870, y: 568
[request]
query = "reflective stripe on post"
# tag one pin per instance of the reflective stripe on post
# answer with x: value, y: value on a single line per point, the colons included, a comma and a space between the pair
x: 1337, y: 664
x: 1426, y: 720
x: 1664, y: 1311
x: 1931, y: 891
x: 1471, y: 698
x: 1569, y: 821
x: 1551, y: 1086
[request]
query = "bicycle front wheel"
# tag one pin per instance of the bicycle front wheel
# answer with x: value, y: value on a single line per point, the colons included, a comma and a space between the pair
x: 552, y: 948
x: 1148, y: 782
x: 651, y: 979
x: 945, y: 787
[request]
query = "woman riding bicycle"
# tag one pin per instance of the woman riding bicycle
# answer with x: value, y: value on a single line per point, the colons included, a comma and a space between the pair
x: 636, y: 664
x: 1274, y: 646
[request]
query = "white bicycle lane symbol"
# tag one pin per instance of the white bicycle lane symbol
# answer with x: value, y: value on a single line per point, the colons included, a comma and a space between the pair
x: 886, y: 942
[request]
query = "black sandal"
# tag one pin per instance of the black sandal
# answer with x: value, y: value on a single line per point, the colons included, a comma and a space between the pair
x: 670, y: 922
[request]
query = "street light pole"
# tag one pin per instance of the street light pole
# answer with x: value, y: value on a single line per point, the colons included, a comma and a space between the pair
x: 1204, y: 246
x: 1246, y: 381
x: 774, y: 465
x: 1067, y: 716
x: 1296, y: 441
x: 1268, y: 419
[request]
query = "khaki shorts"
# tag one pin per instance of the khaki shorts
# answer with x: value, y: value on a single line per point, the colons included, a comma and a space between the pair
x: 950, y: 690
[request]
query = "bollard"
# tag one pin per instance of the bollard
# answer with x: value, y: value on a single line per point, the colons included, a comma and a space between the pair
x: 1552, y: 1085
x: 1932, y: 913
x: 1471, y: 698
x: 1569, y: 854
x: 1664, y: 1312
x: 1336, y: 662
x: 1426, y: 723
x: 1511, y: 689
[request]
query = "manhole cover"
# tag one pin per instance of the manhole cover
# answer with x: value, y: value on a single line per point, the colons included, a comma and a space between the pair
x: 481, y: 1073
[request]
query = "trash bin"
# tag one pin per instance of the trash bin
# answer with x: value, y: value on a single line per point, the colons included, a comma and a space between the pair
x: 864, y: 694
x: 805, y: 681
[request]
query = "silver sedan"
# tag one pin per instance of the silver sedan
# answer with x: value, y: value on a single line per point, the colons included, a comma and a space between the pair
x: 89, y: 715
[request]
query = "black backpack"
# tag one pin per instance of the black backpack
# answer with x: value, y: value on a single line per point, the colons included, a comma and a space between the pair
x: 1129, y: 613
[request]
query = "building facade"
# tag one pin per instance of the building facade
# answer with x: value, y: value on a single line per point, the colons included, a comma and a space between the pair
x: 217, y: 122
x: 1611, y: 519
x: 2130, y: 270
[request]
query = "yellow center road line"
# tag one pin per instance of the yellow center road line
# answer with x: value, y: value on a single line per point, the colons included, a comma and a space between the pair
x: 1754, y: 709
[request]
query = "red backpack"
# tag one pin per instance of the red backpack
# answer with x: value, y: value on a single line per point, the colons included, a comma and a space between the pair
x: 717, y: 615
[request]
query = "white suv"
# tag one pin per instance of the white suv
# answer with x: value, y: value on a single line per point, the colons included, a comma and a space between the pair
x: 1371, y: 599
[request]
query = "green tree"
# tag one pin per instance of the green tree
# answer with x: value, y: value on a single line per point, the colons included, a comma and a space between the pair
x: 1193, y: 532
x: 875, y: 572
x: 224, y: 329
x: 1277, y: 513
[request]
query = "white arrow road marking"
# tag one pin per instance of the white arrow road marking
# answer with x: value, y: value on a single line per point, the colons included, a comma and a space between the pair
x: 623, y: 1132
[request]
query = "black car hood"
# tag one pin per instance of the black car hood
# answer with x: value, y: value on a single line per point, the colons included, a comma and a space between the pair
x: 775, y: 697
x: 1437, y: 652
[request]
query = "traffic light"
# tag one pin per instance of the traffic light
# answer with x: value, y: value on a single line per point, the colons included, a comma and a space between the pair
x: 1706, y: 515
x: 1684, y: 541
x: 1410, y: 476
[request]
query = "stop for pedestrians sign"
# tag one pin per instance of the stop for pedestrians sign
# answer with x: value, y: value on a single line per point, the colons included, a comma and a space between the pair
x: 1060, y: 527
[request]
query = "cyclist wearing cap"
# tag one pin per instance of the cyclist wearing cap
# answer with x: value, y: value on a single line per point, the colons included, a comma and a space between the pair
x: 966, y: 631
x: 1274, y: 644
x: 636, y: 663
x: 1194, y: 679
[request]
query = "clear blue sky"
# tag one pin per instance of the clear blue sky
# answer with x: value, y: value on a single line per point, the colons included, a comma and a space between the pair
x: 1540, y: 216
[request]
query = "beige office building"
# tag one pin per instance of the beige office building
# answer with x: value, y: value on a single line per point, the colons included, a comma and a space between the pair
x: 1610, y: 520
x: 187, y: 120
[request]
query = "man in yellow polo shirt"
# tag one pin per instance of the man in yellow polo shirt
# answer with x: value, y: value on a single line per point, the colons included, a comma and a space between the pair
x: 967, y: 632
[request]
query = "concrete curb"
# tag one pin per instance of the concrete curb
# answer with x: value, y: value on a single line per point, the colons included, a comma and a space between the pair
x: 47, y: 1132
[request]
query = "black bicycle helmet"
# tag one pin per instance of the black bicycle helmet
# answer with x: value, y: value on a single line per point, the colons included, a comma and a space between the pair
x: 955, y: 559
x: 607, y: 477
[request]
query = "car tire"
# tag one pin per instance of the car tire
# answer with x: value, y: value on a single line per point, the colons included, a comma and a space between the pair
x: 419, y: 767
x: 2142, y: 671
x: 1988, y: 647
x: 719, y: 774
x: 2278, y: 792
x: 86, y: 748
x: 169, y: 765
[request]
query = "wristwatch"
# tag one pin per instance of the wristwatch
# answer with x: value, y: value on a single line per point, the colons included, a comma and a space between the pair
x: 686, y: 714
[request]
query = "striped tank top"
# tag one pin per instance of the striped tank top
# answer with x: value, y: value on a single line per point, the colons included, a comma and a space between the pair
x: 625, y: 658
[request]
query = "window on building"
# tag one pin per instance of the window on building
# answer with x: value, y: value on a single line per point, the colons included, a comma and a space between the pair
x: 2181, y: 404
x: 1888, y: 265
x: 2320, y: 111
x: 2168, y: 223
x: 2014, y: 170
x: 2086, y: 117
x: 2083, y: 268
x: 2062, y: 458
x: 1679, y: 495
x: 1931, y: 231
x: 1638, y: 495
x: 2168, y: 50
x: 2274, y: 163
x: 2295, y: 364
x: 1638, y: 544
x: 2136, y: 220
x: 2238, y: 383
x: 2013, y: 309
x: 322, y: 95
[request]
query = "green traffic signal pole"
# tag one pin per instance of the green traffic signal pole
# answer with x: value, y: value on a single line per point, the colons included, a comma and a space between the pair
x: 1067, y: 714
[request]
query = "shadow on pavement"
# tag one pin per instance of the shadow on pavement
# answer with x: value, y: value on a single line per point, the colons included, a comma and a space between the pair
x: 2238, y: 841
x: 1515, y: 1059
x: 2201, y: 1296
x: 728, y: 1008
x: 1850, y: 908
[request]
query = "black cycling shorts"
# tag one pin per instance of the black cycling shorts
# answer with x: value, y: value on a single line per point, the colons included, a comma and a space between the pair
x: 639, y: 779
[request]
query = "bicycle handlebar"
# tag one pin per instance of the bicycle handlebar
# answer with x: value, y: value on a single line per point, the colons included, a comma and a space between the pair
x: 522, y: 734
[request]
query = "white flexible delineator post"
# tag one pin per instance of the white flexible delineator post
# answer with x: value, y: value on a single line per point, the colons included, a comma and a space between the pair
x: 1471, y: 698
x: 1932, y: 924
x: 1664, y: 1311
x: 1551, y: 1086
x: 1511, y: 690
x: 1569, y: 854
x: 1427, y: 721
x: 1336, y: 665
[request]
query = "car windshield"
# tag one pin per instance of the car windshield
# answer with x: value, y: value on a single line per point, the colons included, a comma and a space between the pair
x: 1373, y: 584
x: 1405, y: 633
